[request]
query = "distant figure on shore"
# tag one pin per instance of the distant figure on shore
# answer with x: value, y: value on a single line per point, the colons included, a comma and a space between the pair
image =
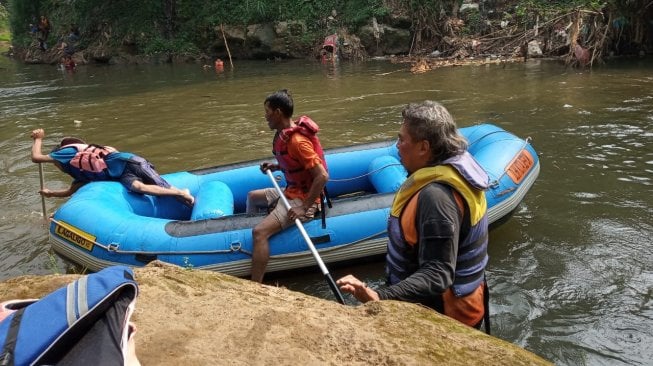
x: 582, y: 55
x: 68, y: 63
x: 44, y: 32
x: 219, y: 65
x: 33, y: 27
x: 69, y: 42
x: 329, y: 51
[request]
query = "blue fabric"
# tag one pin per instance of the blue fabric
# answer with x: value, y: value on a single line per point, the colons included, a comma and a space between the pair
x: 46, y: 320
x: 137, y: 168
x: 65, y: 155
x: 116, y: 161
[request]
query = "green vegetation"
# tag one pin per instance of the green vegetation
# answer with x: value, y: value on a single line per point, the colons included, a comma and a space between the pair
x: 194, y: 26
x: 5, y: 36
x: 180, y: 26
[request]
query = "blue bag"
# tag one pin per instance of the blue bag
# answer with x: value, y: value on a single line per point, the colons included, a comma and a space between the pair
x: 84, y: 323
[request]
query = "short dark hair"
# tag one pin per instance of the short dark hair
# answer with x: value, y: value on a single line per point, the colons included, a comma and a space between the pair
x: 71, y: 140
x: 282, y: 100
x: 431, y: 121
x: 67, y: 141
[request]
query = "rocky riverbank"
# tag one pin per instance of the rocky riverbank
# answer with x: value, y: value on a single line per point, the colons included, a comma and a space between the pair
x: 206, y: 318
x: 468, y: 33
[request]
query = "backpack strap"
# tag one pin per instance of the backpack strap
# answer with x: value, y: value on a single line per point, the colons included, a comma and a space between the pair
x: 486, y: 304
x: 324, y: 198
x: 7, y: 356
x: 486, y: 289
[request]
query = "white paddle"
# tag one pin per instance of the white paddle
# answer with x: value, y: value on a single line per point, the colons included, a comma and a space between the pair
x: 45, y: 212
x: 325, y: 271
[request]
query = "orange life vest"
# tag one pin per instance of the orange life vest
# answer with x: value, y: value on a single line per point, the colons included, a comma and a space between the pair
x: 89, y: 163
x: 296, y: 175
x: 90, y: 158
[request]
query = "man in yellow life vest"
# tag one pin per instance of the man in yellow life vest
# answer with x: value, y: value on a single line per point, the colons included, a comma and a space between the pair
x: 437, y: 229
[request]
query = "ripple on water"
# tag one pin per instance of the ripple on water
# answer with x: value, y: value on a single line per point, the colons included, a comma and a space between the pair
x: 623, y: 109
x: 638, y: 100
x: 597, y: 296
x: 585, y: 196
x: 24, y: 246
x: 635, y: 179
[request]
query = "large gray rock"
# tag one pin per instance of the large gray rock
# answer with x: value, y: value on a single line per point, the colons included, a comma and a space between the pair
x: 193, y: 317
x: 262, y: 41
x: 381, y: 39
x: 534, y: 49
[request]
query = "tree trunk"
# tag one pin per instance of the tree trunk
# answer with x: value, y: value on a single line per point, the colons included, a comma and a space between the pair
x: 170, y: 10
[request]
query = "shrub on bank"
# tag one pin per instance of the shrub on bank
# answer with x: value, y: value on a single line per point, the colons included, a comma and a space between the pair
x: 197, y: 26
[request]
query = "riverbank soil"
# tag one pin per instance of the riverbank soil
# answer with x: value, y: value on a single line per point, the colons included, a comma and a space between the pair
x: 193, y: 317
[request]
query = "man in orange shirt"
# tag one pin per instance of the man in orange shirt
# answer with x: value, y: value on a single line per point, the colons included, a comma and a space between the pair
x: 301, y: 159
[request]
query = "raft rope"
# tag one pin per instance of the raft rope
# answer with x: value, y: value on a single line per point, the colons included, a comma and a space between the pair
x: 235, y: 247
x: 115, y: 248
x: 494, y: 183
x: 364, y: 175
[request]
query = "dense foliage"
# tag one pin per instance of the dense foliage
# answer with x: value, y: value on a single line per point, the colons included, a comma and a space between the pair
x: 4, y: 24
x: 180, y: 25
x: 190, y: 26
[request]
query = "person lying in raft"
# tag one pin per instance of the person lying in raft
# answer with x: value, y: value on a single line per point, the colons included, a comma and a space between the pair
x: 90, y: 163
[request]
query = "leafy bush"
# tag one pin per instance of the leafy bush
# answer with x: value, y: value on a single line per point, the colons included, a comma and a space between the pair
x: 4, y: 24
x: 474, y: 23
x: 185, y: 25
x: 173, y: 46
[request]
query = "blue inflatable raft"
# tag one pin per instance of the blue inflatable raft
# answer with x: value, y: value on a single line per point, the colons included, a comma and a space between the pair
x: 103, y: 224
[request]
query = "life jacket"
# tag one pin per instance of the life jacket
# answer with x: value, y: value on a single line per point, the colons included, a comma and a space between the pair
x: 295, y: 174
x: 468, y: 179
x: 73, y: 322
x: 89, y: 163
x: 10, y: 306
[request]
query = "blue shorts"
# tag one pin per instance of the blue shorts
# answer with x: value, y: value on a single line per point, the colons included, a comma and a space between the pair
x: 140, y: 169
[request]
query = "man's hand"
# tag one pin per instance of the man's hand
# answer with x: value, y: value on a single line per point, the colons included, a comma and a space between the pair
x: 39, y: 133
x: 358, y: 288
x: 296, y: 213
x: 269, y: 166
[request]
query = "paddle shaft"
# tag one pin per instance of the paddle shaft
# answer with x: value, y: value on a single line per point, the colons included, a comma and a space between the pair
x: 309, y: 242
x: 45, y: 213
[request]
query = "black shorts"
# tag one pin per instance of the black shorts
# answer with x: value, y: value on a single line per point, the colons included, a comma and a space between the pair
x: 140, y: 169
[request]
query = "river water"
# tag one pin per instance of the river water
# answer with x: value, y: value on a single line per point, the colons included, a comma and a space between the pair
x: 571, y: 273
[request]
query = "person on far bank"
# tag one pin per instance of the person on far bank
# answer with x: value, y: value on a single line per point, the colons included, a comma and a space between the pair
x: 44, y: 31
x: 438, y: 227
x: 300, y: 157
x: 89, y: 163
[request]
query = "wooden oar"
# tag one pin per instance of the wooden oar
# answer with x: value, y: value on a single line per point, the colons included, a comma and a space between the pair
x: 45, y: 212
x: 309, y: 242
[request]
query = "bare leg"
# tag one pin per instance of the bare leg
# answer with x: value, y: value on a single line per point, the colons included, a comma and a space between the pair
x: 256, y: 200
x: 183, y: 195
x: 261, y: 252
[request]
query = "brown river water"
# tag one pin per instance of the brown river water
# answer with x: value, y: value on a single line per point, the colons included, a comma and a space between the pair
x: 571, y: 273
